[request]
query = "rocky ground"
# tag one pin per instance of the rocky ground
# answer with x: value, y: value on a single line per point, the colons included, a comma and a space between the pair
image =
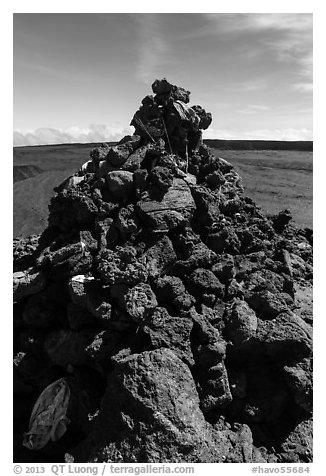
x: 171, y: 319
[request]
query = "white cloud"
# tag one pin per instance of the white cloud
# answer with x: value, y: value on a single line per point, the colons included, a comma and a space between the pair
x: 303, y: 87
x: 223, y: 134
x: 288, y: 134
x: 281, y: 21
x: 93, y: 133
x: 261, y: 21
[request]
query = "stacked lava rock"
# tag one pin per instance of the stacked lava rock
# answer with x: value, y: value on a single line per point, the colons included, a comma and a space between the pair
x: 162, y: 309
x: 166, y: 115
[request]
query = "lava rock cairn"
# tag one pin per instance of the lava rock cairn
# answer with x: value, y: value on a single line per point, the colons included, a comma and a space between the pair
x: 165, y: 303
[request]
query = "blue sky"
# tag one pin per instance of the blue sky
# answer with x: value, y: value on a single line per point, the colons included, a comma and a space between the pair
x: 80, y: 77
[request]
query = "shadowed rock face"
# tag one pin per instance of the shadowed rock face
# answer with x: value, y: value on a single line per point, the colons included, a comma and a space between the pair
x: 177, y: 313
x: 151, y: 409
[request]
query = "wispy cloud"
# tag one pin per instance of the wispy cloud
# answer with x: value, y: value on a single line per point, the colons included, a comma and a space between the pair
x: 250, y: 85
x: 57, y: 73
x: 152, y: 48
x: 93, y: 133
x: 288, y: 35
x: 293, y: 41
x: 254, y: 109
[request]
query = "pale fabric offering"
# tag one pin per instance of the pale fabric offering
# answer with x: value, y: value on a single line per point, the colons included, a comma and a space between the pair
x: 48, y: 420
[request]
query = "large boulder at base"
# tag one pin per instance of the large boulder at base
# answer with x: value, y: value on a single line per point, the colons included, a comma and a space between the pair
x: 150, y: 413
x: 298, y: 446
x: 241, y: 446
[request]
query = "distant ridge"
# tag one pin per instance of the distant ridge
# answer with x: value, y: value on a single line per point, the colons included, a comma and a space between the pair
x: 215, y: 143
x: 259, y: 144
x: 64, y: 144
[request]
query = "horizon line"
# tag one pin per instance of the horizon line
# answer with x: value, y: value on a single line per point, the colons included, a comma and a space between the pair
x: 205, y: 140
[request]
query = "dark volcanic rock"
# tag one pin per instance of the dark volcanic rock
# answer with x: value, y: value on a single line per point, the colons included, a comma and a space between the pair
x: 174, y: 211
x: 150, y: 413
x: 171, y: 290
x: 286, y: 337
x: 68, y: 261
x: 46, y: 308
x: 159, y: 257
x: 240, y: 322
x: 205, y: 117
x: 24, y: 251
x: 79, y: 317
x: 71, y: 208
x: 281, y: 220
x: 107, y: 233
x: 121, y: 266
x: 169, y: 332
x: 209, y: 351
x: 213, y: 387
x: 180, y: 314
x: 118, y: 154
x: 161, y: 178
x: 120, y: 183
x: 26, y: 283
x: 298, y: 445
x: 224, y: 269
x: 99, y: 153
x: 203, y: 281
x: 264, y: 399
x: 163, y: 89
x: 242, y: 448
x: 134, y: 161
x: 127, y: 221
x: 299, y: 379
x: 138, y: 301
x: 266, y: 304
x: 265, y: 280
x: 193, y: 254
x: 66, y: 347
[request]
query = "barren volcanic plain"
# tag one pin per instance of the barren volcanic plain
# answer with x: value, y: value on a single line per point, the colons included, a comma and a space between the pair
x: 274, y: 179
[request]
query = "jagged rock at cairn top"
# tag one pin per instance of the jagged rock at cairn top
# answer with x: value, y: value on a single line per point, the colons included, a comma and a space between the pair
x: 176, y: 314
